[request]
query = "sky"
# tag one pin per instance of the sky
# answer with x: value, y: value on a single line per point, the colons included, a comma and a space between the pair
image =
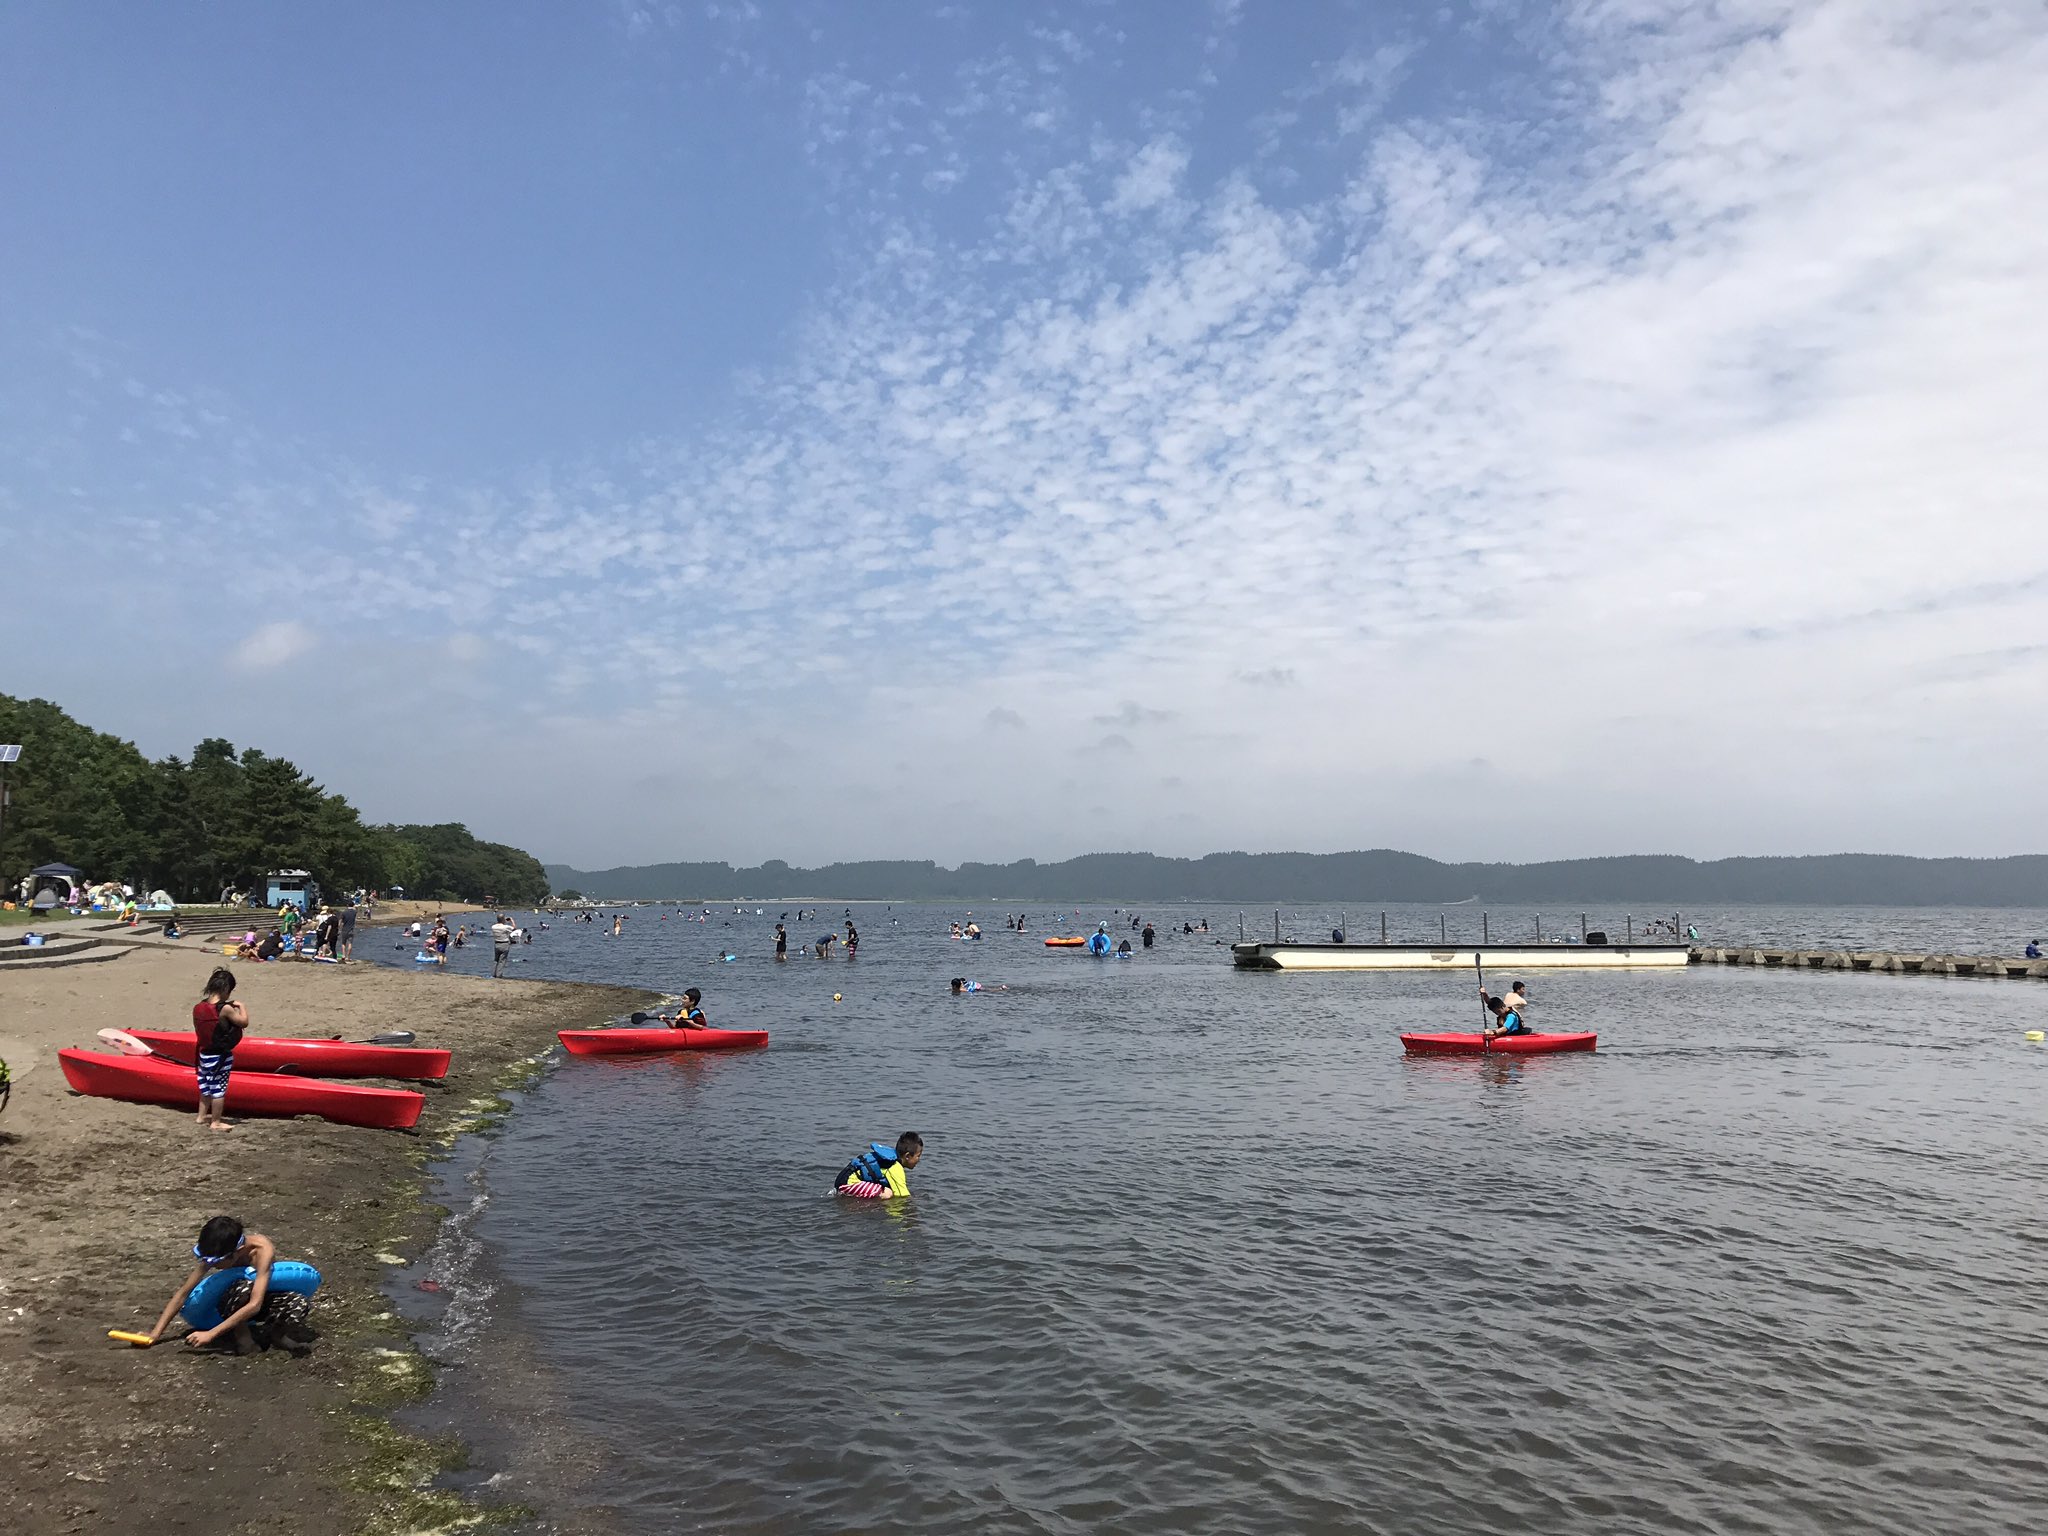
x: 734, y: 430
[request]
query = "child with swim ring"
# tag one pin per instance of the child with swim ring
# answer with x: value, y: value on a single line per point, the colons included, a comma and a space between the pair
x: 880, y: 1173
x: 254, y: 1315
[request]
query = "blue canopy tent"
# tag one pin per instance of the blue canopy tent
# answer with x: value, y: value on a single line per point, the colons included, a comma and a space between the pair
x: 50, y: 885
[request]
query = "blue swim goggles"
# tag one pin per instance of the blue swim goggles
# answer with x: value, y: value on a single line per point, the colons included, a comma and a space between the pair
x: 211, y: 1259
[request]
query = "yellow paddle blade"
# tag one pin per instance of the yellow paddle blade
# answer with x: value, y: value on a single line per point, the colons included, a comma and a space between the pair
x: 141, y: 1340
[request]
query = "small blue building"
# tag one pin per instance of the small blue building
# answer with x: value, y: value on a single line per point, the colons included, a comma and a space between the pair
x: 295, y: 886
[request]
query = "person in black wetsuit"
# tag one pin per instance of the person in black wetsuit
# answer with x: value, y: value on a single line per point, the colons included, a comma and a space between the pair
x: 1147, y: 935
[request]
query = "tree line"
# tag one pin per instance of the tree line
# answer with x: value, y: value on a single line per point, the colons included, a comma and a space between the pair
x: 218, y: 820
x: 1376, y: 875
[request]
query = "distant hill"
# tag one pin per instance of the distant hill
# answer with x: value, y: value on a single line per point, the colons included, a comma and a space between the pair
x: 1380, y: 874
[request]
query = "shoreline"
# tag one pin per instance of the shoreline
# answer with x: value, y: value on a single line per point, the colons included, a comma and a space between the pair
x: 102, y: 1199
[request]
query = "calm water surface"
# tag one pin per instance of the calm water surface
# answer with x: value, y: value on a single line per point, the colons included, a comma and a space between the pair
x: 1200, y: 1251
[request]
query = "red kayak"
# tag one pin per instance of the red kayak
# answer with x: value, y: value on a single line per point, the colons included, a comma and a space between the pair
x: 1510, y: 1045
x: 634, y: 1042
x: 308, y: 1058
x: 145, y: 1080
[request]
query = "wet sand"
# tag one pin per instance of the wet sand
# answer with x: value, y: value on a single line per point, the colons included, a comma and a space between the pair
x: 101, y: 1201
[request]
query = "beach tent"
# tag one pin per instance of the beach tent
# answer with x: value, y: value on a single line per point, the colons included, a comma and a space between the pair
x: 59, y: 881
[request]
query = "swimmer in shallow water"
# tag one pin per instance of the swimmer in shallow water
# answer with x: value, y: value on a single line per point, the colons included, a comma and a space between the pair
x: 962, y: 985
x: 880, y: 1173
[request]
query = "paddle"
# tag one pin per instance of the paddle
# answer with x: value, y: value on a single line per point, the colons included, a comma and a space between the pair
x: 1485, y: 1015
x: 639, y: 1019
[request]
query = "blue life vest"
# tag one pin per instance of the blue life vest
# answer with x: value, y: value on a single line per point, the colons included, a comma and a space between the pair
x: 871, y: 1166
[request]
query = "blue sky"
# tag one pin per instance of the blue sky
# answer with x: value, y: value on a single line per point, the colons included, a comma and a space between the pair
x: 819, y: 431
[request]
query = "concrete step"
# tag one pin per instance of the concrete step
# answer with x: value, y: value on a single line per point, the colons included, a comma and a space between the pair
x: 45, y: 960
x: 54, y: 946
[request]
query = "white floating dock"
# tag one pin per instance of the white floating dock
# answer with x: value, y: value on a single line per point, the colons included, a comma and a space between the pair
x: 1500, y: 958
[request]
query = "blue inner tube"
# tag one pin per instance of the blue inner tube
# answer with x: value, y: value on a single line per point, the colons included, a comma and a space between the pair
x: 202, y: 1307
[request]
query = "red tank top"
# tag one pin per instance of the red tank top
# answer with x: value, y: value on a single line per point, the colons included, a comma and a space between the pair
x: 204, y: 1016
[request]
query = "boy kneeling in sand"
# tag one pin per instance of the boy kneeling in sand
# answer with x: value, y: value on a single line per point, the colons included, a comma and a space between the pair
x: 253, y: 1313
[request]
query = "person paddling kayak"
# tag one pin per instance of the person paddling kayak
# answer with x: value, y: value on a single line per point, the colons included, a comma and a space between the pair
x: 689, y: 1016
x: 1505, y: 1020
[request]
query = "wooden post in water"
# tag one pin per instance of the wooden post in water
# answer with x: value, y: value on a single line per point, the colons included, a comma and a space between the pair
x: 1240, y: 927
x: 1631, y: 930
x: 1383, y: 927
x: 1582, y: 927
x: 1344, y: 925
x: 1484, y: 937
x: 1442, y: 937
x: 1539, y: 927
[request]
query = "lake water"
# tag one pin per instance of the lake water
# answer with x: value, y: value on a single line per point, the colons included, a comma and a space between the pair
x: 1194, y: 1250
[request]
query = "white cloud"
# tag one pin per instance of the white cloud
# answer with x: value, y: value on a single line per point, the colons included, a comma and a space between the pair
x: 273, y: 645
x: 1581, y: 432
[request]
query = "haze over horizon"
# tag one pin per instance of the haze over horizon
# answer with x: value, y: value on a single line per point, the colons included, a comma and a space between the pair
x: 819, y: 433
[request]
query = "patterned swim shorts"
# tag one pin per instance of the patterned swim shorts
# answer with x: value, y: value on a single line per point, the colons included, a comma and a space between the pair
x: 213, y: 1075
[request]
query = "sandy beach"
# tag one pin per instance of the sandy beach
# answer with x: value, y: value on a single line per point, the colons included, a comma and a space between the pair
x: 101, y: 1200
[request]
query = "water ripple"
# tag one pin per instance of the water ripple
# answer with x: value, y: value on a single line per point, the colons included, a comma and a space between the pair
x: 1195, y: 1251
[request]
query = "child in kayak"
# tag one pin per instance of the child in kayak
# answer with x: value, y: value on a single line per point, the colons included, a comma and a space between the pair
x: 879, y: 1173
x: 253, y: 1316
x: 1505, y: 1020
x: 689, y: 1016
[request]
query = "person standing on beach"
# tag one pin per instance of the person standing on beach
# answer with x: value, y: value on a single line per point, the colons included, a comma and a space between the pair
x: 217, y: 1023
x: 348, y: 931
x: 502, y: 935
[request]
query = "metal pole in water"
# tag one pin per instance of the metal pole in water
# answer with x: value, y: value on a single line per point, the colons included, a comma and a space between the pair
x: 1383, y: 927
x: 1539, y: 927
x: 1582, y: 927
x: 1484, y: 937
x: 1631, y: 930
x: 1276, y: 925
x: 1240, y: 927
x: 1441, y: 936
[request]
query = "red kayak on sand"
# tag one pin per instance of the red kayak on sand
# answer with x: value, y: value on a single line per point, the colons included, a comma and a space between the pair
x: 308, y: 1058
x: 636, y: 1042
x: 1511, y: 1045
x: 146, y: 1080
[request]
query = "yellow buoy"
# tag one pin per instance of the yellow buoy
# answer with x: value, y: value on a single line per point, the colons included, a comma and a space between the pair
x: 2035, y: 1034
x: 835, y: 997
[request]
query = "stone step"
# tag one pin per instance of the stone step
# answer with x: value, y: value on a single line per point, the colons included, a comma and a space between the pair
x: 44, y: 960
x: 14, y: 952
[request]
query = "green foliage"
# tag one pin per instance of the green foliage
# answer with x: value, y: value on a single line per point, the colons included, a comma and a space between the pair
x: 454, y: 866
x: 571, y: 895
x: 223, y: 819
